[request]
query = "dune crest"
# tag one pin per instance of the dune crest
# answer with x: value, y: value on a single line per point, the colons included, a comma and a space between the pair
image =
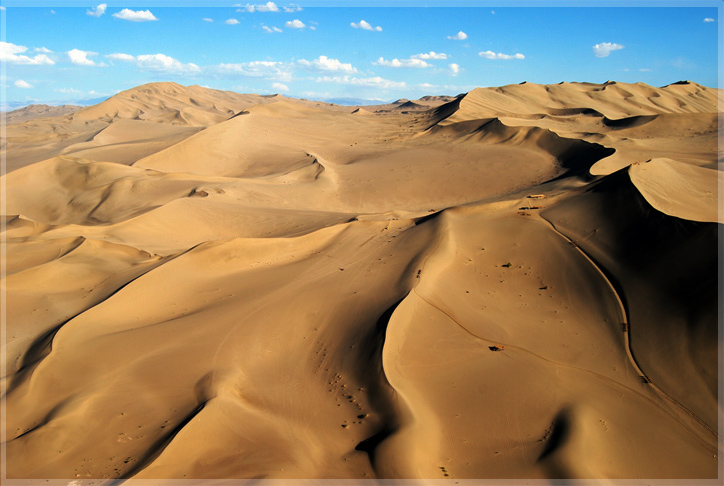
x: 514, y: 283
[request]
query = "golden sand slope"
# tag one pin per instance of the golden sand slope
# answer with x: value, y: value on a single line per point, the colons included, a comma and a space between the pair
x: 520, y: 282
x: 32, y: 112
x: 176, y: 111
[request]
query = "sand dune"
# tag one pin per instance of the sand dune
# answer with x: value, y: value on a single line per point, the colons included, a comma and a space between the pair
x: 179, y: 110
x: 518, y: 282
x: 612, y: 99
x: 32, y: 112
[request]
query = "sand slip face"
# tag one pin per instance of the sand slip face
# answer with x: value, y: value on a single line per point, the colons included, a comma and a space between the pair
x: 516, y: 283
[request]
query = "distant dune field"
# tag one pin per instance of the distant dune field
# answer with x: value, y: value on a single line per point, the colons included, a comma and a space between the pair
x: 517, y: 282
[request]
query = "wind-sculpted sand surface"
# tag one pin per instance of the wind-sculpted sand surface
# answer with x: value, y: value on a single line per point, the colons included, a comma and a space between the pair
x: 519, y: 282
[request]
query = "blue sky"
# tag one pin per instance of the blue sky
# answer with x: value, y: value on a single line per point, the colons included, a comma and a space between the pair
x: 71, y: 51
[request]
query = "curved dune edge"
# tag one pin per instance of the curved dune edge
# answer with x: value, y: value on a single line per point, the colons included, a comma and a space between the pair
x: 664, y: 269
x: 297, y: 291
x: 680, y: 190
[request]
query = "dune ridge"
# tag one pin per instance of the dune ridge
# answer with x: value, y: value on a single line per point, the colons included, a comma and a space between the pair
x: 515, y: 283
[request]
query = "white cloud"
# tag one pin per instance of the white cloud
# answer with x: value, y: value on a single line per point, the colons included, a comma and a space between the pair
x: 605, y: 48
x: 323, y: 63
x: 271, y: 30
x: 430, y: 55
x: 294, y: 24
x: 97, y: 11
x: 157, y: 62
x: 23, y: 84
x: 80, y: 58
x: 44, y: 50
x: 135, y: 15
x: 257, y: 69
x: 14, y: 54
x: 364, y: 25
x: 121, y: 57
x: 280, y: 87
x: 498, y: 55
x: 206, y: 19
x: 266, y: 7
x: 402, y: 63
x: 77, y: 93
x: 2, y: 8
x: 231, y: 22
x: 709, y: 19
x: 67, y: 91
x: 166, y: 64
x: 376, y: 82
x: 459, y: 36
x: 292, y: 8
x: 455, y: 69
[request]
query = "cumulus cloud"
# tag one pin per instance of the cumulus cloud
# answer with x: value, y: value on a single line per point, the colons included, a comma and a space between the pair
x: 605, y: 48
x: 364, y: 25
x: 280, y: 87
x: 157, y: 62
x: 294, y: 24
x: 271, y: 30
x: 709, y: 19
x: 324, y: 63
x: 292, y: 8
x: 44, y: 50
x: 266, y: 7
x: 97, y: 11
x: 231, y: 21
x: 459, y: 36
x: 23, y: 84
x: 81, y: 58
x: 206, y: 19
x: 121, y: 57
x: 14, y: 54
x: 402, y: 63
x: 454, y: 69
x: 498, y: 55
x: 430, y: 55
x: 135, y: 15
x: 165, y: 64
x: 257, y: 69
x: 376, y: 82
x: 67, y: 90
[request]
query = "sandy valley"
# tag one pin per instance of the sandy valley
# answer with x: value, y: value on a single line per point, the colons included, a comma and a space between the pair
x: 517, y: 282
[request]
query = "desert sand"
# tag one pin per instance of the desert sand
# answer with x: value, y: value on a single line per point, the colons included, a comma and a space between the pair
x: 517, y: 282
